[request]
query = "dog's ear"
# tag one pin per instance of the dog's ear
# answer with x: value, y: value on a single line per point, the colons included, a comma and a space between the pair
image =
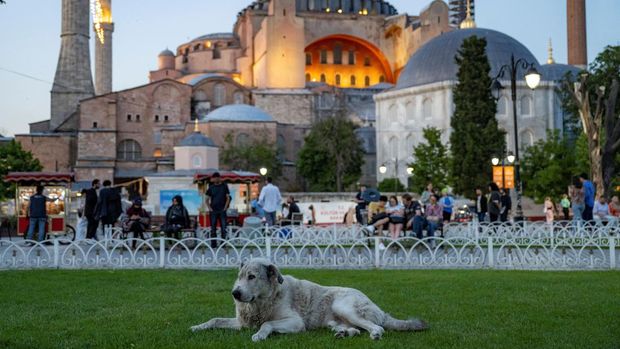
x: 272, y: 271
x: 241, y: 266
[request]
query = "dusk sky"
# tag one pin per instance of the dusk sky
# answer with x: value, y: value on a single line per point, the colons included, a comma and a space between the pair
x: 30, y: 43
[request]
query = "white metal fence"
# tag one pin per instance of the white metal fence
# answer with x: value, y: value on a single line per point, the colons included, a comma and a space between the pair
x: 561, y: 246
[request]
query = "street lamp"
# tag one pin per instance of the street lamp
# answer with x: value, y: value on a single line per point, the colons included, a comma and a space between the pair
x: 532, y: 79
x: 263, y: 171
x: 496, y: 161
x: 383, y: 170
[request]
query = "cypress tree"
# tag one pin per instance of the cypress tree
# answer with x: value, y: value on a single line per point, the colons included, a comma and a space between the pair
x: 475, y: 136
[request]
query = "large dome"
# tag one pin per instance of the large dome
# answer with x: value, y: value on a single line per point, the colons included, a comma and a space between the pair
x: 239, y: 113
x: 434, y: 62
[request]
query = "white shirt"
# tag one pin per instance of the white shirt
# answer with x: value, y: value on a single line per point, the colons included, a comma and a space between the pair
x: 270, y: 198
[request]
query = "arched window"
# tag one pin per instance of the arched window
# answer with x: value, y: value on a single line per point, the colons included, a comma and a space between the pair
x: 323, y: 56
x: 308, y: 78
x: 501, y: 106
x: 243, y: 140
x: 216, y: 52
x: 200, y: 96
x: 129, y: 117
x: 526, y: 105
x: 409, y: 111
x: 308, y: 58
x: 382, y: 78
x: 338, y: 79
x: 219, y: 94
x: 337, y: 54
x: 526, y: 139
x: 129, y: 149
x: 367, y: 61
x: 410, y: 144
x: 427, y: 108
x: 323, y: 78
x: 196, y: 161
x: 281, y: 146
x: 351, y: 57
x: 393, y: 148
x: 156, y: 118
x: 367, y: 81
x: 238, y: 97
x: 353, y: 80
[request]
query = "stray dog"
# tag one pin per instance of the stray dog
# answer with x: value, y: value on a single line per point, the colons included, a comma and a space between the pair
x: 267, y: 300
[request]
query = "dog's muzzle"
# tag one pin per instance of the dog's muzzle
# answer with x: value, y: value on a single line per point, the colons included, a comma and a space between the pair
x: 236, y: 294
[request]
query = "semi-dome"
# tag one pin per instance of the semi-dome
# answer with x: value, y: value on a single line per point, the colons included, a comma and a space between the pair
x: 197, y: 139
x: 239, y: 113
x: 434, y: 62
x: 556, y: 71
x: 166, y: 53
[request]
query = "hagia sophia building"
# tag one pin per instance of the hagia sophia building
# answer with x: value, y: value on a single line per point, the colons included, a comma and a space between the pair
x: 285, y: 65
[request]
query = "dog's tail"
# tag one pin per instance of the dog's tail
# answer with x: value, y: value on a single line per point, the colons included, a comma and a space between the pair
x: 391, y: 323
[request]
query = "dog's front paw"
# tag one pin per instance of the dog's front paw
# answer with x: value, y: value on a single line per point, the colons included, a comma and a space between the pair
x: 196, y: 328
x: 259, y: 336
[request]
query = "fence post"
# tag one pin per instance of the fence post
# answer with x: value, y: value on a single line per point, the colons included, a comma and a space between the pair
x: 490, y: 252
x: 56, y: 253
x: 268, y: 246
x: 377, y: 252
x: 612, y: 251
x: 162, y: 251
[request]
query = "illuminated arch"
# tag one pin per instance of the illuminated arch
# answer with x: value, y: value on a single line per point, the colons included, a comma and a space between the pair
x: 379, y: 69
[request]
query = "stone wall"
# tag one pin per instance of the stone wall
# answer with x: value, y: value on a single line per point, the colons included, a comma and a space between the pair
x: 55, y: 151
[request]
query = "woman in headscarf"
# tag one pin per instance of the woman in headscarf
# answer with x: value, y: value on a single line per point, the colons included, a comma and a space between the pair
x: 177, y: 218
x: 136, y: 220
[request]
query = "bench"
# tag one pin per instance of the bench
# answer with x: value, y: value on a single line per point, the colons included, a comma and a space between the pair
x: 158, y: 221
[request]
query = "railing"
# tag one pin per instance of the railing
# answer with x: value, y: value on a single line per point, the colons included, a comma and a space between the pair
x: 525, y: 246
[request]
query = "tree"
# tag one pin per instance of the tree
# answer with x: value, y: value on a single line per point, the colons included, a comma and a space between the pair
x: 391, y: 185
x: 13, y: 158
x: 332, y: 155
x: 594, y: 97
x: 475, y: 137
x: 257, y: 153
x: 549, y: 166
x: 431, y: 162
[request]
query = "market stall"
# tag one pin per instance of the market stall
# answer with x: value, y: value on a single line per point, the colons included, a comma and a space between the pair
x: 243, y: 187
x: 56, y: 189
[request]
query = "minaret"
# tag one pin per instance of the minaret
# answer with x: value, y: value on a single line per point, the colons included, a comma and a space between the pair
x: 73, y: 80
x: 468, y: 22
x: 550, y: 59
x: 576, y: 33
x: 104, y: 27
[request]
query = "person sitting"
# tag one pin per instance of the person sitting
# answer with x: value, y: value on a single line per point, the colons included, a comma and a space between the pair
x: 377, y: 216
x: 614, y: 207
x: 396, y: 211
x: 414, y: 215
x: 292, y: 209
x: 434, y: 215
x: 177, y: 218
x: 600, y: 212
x: 136, y: 220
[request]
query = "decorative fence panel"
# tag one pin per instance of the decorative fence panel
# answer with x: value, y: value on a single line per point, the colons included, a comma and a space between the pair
x: 561, y: 246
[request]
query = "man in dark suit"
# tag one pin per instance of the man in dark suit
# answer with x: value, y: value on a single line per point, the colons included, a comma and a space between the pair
x: 481, y: 205
x: 109, y: 204
x: 90, y: 203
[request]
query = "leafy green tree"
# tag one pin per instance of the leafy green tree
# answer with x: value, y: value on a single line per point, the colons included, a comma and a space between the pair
x: 431, y: 162
x: 251, y: 156
x: 549, y: 167
x: 475, y: 138
x: 13, y: 158
x: 332, y: 155
x: 391, y: 185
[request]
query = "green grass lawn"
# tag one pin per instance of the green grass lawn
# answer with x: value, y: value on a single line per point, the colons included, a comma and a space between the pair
x: 155, y: 308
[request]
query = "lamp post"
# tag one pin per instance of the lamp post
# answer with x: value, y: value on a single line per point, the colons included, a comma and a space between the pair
x: 510, y: 159
x: 383, y: 170
x: 263, y: 171
x: 532, y: 79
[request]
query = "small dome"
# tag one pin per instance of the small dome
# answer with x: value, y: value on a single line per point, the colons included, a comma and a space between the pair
x: 434, y: 62
x: 166, y: 53
x: 197, y: 139
x: 556, y: 71
x: 239, y: 113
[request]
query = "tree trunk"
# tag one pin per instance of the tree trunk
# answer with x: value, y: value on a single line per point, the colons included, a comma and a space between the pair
x: 612, y: 139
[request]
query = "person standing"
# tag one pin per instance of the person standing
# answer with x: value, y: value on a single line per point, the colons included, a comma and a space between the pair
x: 270, y: 200
x: 549, y: 210
x: 506, y: 205
x: 426, y: 194
x: 588, y: 197
x: 361, y: 204
x: 218, y: 200
x: 577, y: 201
x: 565, y: 203
x: 447, y: 204
x: 90, y: 203
x: 481, y: 205
x: 37, y: 214
x: 494, y: 202
x: 109, y: 206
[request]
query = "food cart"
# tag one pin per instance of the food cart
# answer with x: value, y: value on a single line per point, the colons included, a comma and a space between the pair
x: 243, y: 187
x: 56, y: 189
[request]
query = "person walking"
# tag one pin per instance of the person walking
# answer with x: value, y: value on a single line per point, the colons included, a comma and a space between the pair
x: 481, y: 205
x: 108, y: 207
x: 494, y: 204
x: 565, y: 203
x: 361, y: 204
x: 588, y: 197
x: 270, y: 199
x: 136, y: 221
x: 577, y: 201
x: 506, y: 204
x: 90, y: 203
x: 37, y: 215
x: 218, y: 200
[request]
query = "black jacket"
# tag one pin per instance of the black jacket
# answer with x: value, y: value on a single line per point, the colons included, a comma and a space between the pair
x: 109, y: 204
x: 483, y: 204
x: 90, y: 202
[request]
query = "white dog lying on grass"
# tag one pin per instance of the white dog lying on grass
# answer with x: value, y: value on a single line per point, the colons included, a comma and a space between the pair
x: 274, y: 303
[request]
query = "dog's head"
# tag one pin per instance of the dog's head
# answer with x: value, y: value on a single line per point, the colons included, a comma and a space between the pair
x: 257, y: 279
